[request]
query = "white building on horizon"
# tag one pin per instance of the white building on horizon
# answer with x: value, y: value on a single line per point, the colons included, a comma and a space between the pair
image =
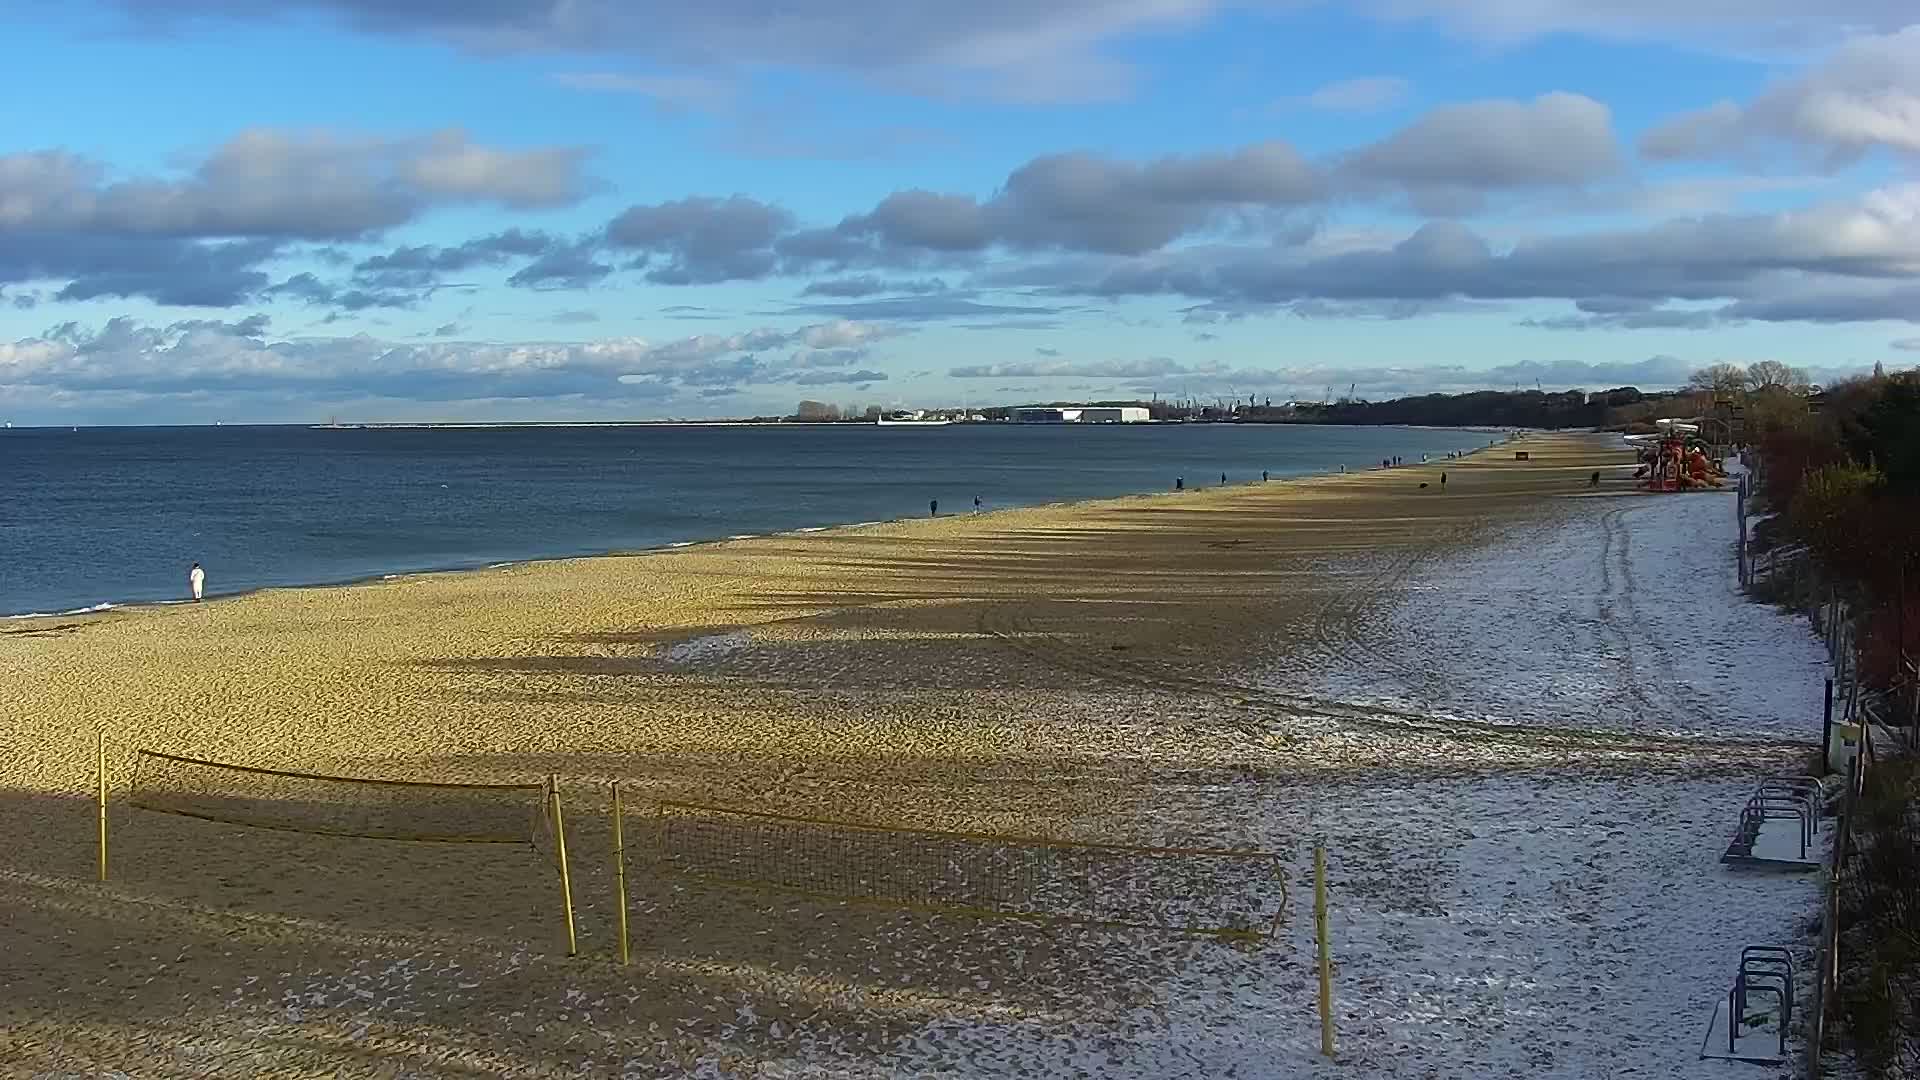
x: 1082, y: 414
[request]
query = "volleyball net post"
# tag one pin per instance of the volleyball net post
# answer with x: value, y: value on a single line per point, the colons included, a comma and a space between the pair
x: 620, y: 875
x: 1326, y: 958
x: 560, y: 852
x: 100, y: 795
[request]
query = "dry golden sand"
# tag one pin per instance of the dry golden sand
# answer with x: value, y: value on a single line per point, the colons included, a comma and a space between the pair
x: 1066, y: 670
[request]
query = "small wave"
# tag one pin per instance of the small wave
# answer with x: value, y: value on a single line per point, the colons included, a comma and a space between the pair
x: 683, y: 543
x: 64, y: 614
x: 812, y: 529
x: 744, y: 536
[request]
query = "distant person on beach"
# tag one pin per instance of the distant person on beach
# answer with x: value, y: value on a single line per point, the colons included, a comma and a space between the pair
x: 1594, y: 480
x: 976, y: 504
x: 1443, y: 480
x: 1179, y: 483
x: 197, y: 580
x: 1223, y: 479
x: 933, y: 508
x: 1263, y: 476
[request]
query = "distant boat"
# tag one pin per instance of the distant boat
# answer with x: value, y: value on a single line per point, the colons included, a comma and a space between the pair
x: 915, y: 418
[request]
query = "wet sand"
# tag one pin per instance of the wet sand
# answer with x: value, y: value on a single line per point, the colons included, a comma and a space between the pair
x: 1067, y: 671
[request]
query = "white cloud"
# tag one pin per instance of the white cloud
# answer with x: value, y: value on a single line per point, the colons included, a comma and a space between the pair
x: 1360, y: 95
x: 692, y: 92
x: 1864, y: 95
x: 201, y: 356
x: 1730, y: 25
x: 1449, y: 158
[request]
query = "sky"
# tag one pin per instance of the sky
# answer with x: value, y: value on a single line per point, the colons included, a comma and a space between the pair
x: 389, y: 210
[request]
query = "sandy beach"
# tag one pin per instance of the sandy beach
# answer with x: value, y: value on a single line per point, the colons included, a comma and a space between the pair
x: 1473, y: 694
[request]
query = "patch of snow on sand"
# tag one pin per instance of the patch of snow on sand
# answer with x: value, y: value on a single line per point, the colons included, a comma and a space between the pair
x: 1626, y: 615
x: 706, y: 647
x: 1524, y: 922
x: 1503, y: 926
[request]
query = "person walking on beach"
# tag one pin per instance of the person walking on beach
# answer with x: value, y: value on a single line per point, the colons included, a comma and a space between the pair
x: 933, y: 508
x: 1443, y: 480
x: 976, y: 504
x: 197, y: 580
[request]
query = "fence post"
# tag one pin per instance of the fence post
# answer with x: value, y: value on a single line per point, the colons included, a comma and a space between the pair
x: 1326, y: 960
x: 1826, y: 733
x: 620, y: 873
x: 560, y: 850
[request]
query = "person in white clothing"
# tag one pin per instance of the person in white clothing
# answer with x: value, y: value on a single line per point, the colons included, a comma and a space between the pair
x: 197, y: 578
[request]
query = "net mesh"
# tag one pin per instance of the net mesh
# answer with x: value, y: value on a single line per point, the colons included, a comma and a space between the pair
x: 1193, y: 890
x: 339, y: 805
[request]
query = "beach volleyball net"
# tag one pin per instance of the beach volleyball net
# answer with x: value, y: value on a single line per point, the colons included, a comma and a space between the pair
x: 1226, y: 893
x: 339, y: 805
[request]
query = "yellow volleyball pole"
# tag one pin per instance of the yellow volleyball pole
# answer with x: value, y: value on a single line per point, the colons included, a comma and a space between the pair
x: 560, y: 849
x: 1326, y: 962
x: 101, y: 761
x: 620, y: 873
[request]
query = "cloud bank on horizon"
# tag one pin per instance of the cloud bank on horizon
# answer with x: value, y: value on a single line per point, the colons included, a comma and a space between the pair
x: 584, y: 208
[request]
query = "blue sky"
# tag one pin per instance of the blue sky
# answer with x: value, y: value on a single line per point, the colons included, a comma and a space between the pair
x: 537, y: 209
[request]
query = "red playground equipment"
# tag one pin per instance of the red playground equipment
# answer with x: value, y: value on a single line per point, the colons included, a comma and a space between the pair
x: 1677, y: 461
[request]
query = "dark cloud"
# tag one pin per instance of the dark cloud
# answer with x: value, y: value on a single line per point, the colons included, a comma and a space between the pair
x: 1058, y: 369
x: 1014, y: 324
x: 308, y: 289
x: 1648, y: 319
x: 1911, y: 344
x: 205, y: 238
x: 1449, y: 159
x: 1830, y: 305
x: 831, y: 378
x: 567, y: 266
x: 921, y: 308
x: 421, y: 266
x: 702, y: 240
x: 1842, y: 260
x: 1072, y: 202
x: 1043, y: 351
x: 856, y: 287
x: 573, y: 317
x: 999, y: 49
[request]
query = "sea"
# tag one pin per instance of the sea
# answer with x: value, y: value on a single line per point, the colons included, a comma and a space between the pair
x: 107, y: 516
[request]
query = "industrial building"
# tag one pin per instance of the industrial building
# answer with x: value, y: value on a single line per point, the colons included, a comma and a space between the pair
x: 1083, y: 414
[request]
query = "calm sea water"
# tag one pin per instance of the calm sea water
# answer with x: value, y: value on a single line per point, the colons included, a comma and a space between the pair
x: 116, y: 515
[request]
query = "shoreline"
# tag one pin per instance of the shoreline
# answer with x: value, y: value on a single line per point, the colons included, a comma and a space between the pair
x: 109, y: 607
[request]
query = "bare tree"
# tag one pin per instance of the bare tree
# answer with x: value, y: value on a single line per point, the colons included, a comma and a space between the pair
x: 1720, y: 378
x: 1774, y: 375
